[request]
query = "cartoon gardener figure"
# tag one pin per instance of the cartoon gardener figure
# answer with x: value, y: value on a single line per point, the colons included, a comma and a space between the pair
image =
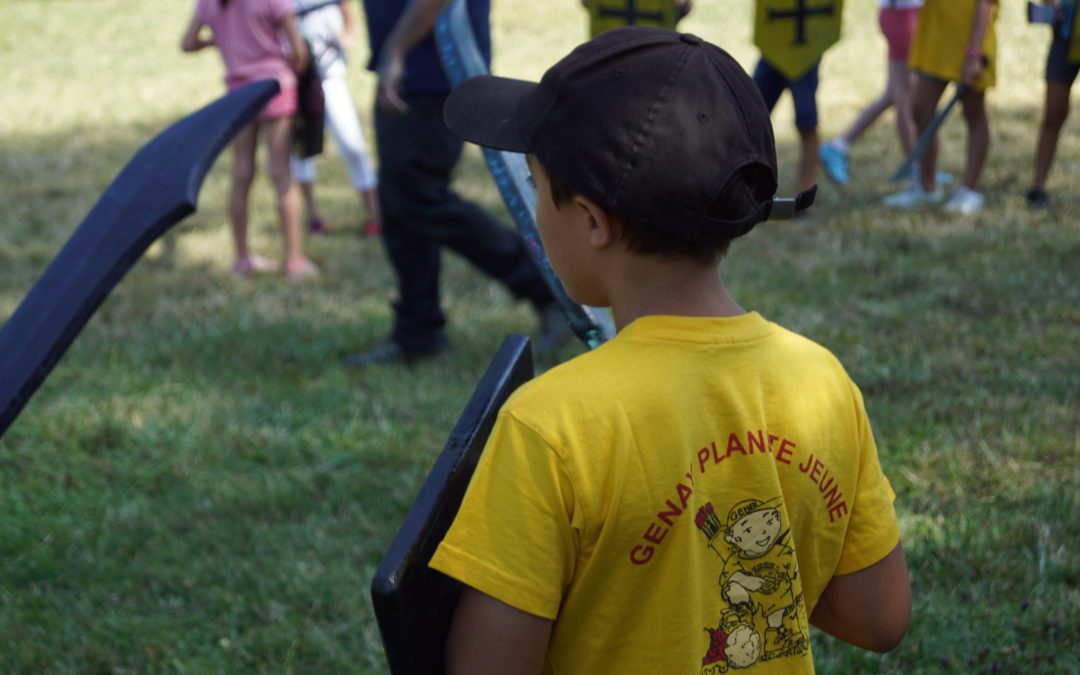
x: 762, y: 571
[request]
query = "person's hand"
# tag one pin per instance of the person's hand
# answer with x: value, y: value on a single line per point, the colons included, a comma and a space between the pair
x: 737, y: 595
x: 748, y: 582
x: 391, y: 71
x: 973, y: 68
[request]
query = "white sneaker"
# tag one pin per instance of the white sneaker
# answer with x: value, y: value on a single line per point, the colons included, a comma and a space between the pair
x: 912, y: 196
x: 965, y: 202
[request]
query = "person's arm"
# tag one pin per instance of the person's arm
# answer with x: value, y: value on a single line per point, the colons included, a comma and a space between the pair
x: 870, y: 608
x: 193, y: 40
x: 489, y: 637
x: 298, y: 51
x: 416, y: 23
x: 973, y: 56
x: 351, y: 29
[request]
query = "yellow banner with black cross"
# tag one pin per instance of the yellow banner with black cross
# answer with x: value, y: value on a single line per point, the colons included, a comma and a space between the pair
x: 607, y: 14
x: 793, y: 34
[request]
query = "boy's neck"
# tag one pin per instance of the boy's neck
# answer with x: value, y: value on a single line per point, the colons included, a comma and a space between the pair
x: 648, y: 285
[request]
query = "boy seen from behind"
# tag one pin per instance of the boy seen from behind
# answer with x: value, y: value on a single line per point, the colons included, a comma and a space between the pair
x: 692, y: 495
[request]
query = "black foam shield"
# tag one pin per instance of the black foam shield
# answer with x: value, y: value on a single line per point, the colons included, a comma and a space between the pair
x: 413, y: 603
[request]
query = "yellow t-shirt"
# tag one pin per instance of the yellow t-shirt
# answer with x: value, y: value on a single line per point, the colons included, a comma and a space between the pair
x: 941, y: 41
x: 677, y: 500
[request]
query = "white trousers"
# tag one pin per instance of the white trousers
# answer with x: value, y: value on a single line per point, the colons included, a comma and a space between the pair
x: 344, y: 126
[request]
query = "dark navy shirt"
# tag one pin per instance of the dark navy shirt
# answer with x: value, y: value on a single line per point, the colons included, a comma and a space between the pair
x: 423, y: 70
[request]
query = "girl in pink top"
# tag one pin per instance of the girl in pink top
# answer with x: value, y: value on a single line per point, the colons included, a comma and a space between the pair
x: 898, y: 20
x: 250, y: 34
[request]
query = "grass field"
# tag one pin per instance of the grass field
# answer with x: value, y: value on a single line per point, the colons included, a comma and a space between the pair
x: 200, y: 488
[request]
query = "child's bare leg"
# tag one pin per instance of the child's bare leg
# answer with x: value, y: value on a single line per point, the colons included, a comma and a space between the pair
x: 243, y: 173
x: 974, y: 103
x: 867, y: 117
x: 923, y: 107
x: 279, y: 142
x: 1054, y: 116
x: 899, y: 90
x: 370, y: 199
x: 808, y: 161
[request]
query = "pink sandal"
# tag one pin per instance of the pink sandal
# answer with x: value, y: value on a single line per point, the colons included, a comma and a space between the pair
x: 372, y: 229
x: 252, y: 265
x: 301, y: 269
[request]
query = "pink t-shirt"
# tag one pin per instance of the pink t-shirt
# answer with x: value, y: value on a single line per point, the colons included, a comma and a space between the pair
x: 246, y: 32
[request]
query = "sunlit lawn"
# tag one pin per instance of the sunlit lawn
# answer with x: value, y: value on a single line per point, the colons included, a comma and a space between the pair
x: 200, y: 488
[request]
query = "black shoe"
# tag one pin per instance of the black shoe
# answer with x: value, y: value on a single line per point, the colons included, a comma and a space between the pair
x: 1037, y: 199
x: 391, y: 352
x: 554, y: 331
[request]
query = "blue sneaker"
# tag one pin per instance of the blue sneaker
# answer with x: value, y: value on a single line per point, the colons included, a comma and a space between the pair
x: 835, y: 164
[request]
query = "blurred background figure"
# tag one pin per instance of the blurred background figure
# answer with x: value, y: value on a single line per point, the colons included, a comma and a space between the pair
x: 897, y: 19
x: 954, y: 42
x: 330, y: 29
x: 1062, y: 66
x: 792, y: 38
x: 421, y: 213
x: 249, y: 35
x: 607, y: 14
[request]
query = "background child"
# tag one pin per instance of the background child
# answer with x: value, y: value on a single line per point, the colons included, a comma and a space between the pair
x: 331, y: 30
x: 898, y: 19
x: 792, y: 44
x: 249, y: 33
x: 1061, y: 71
x: 939, y: 57
x: 591, y: 537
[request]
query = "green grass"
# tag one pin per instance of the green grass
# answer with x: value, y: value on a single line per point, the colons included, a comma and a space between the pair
x: 200, y: 488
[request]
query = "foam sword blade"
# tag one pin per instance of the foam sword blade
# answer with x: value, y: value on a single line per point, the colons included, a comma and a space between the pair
x: 461, y: 59
x: 157, y: 189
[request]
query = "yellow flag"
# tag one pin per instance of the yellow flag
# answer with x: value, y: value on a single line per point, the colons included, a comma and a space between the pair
x: 607, y: 14
x: 793, y: 34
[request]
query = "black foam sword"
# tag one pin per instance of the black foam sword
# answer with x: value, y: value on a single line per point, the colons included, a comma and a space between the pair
x: 158, y: 188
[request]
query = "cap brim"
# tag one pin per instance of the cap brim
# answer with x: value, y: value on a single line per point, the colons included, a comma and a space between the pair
x: 486, y: 110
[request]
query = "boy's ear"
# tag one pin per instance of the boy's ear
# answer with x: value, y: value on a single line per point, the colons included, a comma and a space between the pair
x: 603, y: 229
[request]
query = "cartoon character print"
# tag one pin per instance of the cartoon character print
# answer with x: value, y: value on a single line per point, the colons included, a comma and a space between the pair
x: 764, y: 616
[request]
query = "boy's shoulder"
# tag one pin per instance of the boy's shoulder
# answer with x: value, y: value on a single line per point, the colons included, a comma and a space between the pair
x: 648, y: 360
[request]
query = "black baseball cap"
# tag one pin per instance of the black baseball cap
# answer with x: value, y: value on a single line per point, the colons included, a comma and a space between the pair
x: 658, y: 125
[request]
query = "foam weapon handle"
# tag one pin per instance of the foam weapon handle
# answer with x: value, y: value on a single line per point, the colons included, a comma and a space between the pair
x: 461, y: 59
x: 157, y: 189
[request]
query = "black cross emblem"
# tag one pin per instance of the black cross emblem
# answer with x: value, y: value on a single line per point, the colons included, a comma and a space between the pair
x: 801, y: 13
x: 630, y: 14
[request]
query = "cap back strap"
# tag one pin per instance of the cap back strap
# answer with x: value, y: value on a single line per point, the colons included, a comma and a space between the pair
x: 785, y: 208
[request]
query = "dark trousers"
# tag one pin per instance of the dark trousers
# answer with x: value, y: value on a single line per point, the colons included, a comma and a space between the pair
x: 421, y: 215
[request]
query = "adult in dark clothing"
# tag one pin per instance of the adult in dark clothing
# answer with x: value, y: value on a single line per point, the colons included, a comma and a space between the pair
x: 420, y: 212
